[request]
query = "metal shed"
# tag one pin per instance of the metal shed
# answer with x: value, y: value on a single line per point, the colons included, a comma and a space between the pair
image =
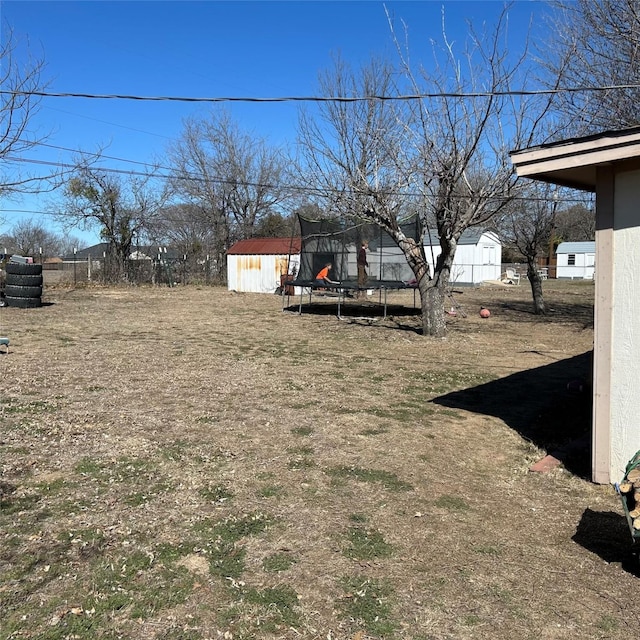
x: 260, y: 265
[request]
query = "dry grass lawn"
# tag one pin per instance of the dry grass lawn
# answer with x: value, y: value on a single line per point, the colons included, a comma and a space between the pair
x: 191, y: 463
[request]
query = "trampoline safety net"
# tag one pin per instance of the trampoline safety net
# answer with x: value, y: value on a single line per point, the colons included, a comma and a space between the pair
x: 338, y: 242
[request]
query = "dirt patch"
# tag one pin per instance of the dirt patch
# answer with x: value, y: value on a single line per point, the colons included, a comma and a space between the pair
x: 195, y: 563
x: 335, y: 478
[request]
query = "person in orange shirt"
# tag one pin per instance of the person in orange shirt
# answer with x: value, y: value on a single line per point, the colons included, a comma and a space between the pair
x: 323, y: 275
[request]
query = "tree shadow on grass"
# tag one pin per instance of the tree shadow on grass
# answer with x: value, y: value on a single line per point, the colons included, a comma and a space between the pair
x: 549, y: 406
x: 575, y: 313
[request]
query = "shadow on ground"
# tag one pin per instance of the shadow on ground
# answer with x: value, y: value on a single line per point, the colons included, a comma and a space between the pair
x: 576, y: 313
x: 549, y: 406
x: 353, y: 309
x: 607, y: 534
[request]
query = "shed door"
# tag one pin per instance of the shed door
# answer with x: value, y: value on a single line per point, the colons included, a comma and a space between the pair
x: 488, y: 254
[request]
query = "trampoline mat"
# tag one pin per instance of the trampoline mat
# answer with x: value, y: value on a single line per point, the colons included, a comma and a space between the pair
x: 351, y: 285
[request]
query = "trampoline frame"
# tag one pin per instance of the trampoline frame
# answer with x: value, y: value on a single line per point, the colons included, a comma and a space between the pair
x: 336, y: 241
x: 342, y: 290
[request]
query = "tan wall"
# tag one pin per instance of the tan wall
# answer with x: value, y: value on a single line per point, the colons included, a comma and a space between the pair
x: 603, y: 314
x: 625, y: 329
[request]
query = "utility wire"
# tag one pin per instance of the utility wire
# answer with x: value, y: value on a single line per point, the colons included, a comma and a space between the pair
x: 191, y: 178
x: 80, y: 153
x: 114, y: 124
x: 380, y: 98
x: 246, y: 183
x: 187, y: 177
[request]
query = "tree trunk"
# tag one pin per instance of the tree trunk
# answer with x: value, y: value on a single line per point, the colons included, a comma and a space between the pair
x: 432, y: 304
x: 222, y: 243
x: 539, y: 307
x: 432, y: 290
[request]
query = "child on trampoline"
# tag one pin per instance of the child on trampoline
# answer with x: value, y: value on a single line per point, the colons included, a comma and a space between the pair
x: 323, y: 276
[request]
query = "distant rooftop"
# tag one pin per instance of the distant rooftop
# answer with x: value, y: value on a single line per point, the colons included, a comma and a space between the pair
x: 266, y: 246
x: 577, y: 247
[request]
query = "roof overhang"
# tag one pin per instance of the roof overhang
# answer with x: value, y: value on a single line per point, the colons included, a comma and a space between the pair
x: 573, y: 163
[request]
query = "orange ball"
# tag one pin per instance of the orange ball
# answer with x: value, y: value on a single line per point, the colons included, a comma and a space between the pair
x: 484, y: 313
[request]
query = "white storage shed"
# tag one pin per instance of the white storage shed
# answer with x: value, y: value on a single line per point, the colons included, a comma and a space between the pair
x: 478, y: 256
x: 576, y: 260
x: 259, y: 265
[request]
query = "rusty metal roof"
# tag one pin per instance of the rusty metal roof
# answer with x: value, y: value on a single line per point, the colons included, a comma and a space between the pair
x: 266, y: 246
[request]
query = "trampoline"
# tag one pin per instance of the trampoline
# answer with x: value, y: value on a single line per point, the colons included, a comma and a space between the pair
x: 337, y: 241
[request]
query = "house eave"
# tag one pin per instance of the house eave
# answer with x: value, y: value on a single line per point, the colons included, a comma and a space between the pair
x: 574, y: 163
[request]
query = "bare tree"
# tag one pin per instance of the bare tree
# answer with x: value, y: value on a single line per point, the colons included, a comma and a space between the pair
x: 351, y: 149
x: 20, y: 85
x: 29, y: 238
x: 183, y: 227
x: 121, y: 209
x: 576, y: 223
x: 597, y: 44
x: 462, y: 138
x: 450, y: 150
x: 529, y: 225
x: 231, y: 177
x: 68, y: 243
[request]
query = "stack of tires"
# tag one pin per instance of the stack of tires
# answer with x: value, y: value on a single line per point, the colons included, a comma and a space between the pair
x: 23, y: 287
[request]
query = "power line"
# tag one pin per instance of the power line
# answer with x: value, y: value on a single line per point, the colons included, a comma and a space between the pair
x: 228, y: 181
x: 192, y: 178
x: 114, y: 124
x: 185, y: 177
x: 77, y: 151
x: 60, y: 213
x: 325, y: 192
x: 379, y: 98
x: 68, y: 165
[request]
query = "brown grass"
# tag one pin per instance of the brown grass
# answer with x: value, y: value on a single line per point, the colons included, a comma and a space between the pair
x: 193, y: 463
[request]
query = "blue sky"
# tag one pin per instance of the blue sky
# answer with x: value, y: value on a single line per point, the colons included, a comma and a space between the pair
x: 202, y: 49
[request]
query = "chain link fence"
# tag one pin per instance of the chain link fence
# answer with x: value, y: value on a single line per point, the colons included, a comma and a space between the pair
x: 165, y: 272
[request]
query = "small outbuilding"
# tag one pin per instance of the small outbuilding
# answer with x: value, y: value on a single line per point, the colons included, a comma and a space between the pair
x: 576, y: 260
x: 478, y: 256
x: 261, y: 265
x: 609, y: 164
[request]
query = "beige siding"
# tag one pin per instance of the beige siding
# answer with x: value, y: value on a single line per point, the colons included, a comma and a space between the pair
x: 625, y: 333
